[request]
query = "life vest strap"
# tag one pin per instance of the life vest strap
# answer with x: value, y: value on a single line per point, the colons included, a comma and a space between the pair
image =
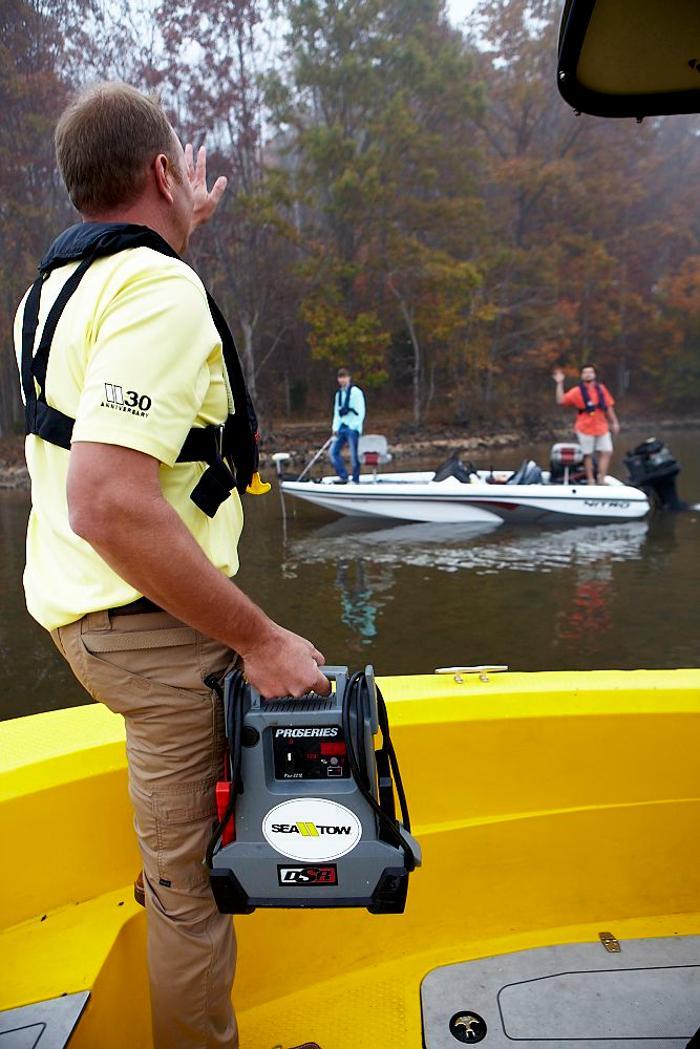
x: 589, y: 407
x: 40, y: 360
x: 213, y: 488
x: 51, y: 425
x: 344, y: 402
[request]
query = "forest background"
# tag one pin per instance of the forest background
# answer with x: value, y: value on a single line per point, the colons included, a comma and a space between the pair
x: 406, y: 197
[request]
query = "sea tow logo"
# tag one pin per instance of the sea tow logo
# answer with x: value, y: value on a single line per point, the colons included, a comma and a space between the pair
x: 298, y: 733
x: 327, y: 875
x: 309, y: 830
x: 131, y: 402
x: 312, y: 830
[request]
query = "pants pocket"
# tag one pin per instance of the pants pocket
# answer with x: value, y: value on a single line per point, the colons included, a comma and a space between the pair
x: 142, y: 658
x: 183, y: 819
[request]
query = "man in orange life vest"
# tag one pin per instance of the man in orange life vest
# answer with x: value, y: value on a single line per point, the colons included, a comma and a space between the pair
x: 596, y: 418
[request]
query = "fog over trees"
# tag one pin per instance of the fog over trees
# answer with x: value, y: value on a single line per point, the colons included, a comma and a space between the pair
x: 408, y: 198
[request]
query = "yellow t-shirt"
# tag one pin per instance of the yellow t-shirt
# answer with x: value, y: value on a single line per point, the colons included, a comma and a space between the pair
x: 136, y: 360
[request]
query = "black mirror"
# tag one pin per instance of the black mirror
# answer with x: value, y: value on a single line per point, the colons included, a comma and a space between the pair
x: 630, y: 58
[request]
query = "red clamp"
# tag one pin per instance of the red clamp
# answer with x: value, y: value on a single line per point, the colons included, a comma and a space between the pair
x: 223, y: 799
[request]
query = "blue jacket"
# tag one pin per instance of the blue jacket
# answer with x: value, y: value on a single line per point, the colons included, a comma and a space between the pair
x: 353, y: 400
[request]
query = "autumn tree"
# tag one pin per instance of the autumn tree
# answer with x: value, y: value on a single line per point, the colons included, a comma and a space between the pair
x: 324, y: 108
x: 405, y: 197
x: 672, y: 361
x: 379, y: 103
x: 577, y: 209
x: 427, y: 219
x: 32, y: 203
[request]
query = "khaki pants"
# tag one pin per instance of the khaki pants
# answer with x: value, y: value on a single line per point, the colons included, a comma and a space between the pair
x: 150, y: 668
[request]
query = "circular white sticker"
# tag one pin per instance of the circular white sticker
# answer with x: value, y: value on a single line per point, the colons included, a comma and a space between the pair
x: 311, y: 829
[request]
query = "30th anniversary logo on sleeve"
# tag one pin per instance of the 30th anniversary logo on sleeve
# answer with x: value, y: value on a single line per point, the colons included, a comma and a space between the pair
x: 121, y: 400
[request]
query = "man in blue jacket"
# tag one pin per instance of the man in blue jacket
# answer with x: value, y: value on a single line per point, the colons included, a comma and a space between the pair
x: 348, y: 417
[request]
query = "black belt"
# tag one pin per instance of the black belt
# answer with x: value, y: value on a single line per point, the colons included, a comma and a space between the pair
x: 140, y: 605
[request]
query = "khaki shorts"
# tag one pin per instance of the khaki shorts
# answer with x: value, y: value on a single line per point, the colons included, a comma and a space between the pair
x: 590, y: 444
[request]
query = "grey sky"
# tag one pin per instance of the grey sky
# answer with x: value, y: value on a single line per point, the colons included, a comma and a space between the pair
x: 459, y: 9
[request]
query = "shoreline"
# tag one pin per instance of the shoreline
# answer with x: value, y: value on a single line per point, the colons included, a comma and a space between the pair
x: 303, y: 443
x: 302, y: 440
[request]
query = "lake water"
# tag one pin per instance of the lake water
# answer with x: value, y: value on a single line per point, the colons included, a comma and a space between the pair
x: 412, y: 597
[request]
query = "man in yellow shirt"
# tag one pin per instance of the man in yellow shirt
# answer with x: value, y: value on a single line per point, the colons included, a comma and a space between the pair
x: 136, y: 413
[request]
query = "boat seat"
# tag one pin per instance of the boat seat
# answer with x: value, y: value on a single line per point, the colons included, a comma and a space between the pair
x: 373, y: 450
x: 565, y: 460
x: 528, y: 473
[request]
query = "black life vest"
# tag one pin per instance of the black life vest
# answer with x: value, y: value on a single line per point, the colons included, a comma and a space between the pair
x: 229, y: 450
x: 589, y: 406
x: 343, y: 398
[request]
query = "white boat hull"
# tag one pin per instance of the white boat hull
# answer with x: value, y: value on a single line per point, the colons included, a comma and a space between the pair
x: 416, y: 497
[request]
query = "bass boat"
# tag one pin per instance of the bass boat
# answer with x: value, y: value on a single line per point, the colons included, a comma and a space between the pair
x: 462, y: 494
x: 458, y: 493
x: 557, y: 903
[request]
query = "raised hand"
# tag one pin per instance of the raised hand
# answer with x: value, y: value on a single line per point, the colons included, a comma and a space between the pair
x: 558, y: 375
x: 205, y: 202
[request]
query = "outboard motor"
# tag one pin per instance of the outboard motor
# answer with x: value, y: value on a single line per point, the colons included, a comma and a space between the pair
x: 564, y: 460
x: 652, y: 468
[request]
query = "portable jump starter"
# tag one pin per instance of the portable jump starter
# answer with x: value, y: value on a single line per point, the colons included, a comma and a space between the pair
x: 306, y: 807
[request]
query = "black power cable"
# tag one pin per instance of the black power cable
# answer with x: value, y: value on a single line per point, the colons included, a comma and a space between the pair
x: 235, y: 725
x: 357, y: 693
x: 388, y: 746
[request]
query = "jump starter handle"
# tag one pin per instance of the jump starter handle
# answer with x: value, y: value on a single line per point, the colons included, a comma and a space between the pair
x: 332, y: 673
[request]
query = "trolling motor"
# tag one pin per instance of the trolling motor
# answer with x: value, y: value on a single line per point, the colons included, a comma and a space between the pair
x: 652, y: 467
x: 306, y: 810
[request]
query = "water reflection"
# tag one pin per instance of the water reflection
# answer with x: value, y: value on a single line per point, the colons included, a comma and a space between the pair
x: 367, y: 557
x: 453, y: 548
x: 363, y: 590
x: 587, y: 613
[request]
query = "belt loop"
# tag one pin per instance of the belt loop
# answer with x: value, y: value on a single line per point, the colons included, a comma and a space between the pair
x: 97, y: 620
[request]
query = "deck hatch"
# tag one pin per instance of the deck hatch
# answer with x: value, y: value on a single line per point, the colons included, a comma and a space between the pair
x: 42, y: 1025
x: 573, y: 994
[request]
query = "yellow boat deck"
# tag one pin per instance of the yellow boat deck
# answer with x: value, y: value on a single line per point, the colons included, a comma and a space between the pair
x: 550, y: 807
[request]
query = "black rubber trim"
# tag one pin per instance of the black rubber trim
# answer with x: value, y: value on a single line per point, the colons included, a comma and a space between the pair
x: 388, y: 897
x: 575, y: 20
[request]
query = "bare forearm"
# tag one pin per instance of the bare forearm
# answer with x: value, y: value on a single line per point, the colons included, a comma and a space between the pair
x: 115, y: 503
x: 559, y: 392
x: 145, y: 543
